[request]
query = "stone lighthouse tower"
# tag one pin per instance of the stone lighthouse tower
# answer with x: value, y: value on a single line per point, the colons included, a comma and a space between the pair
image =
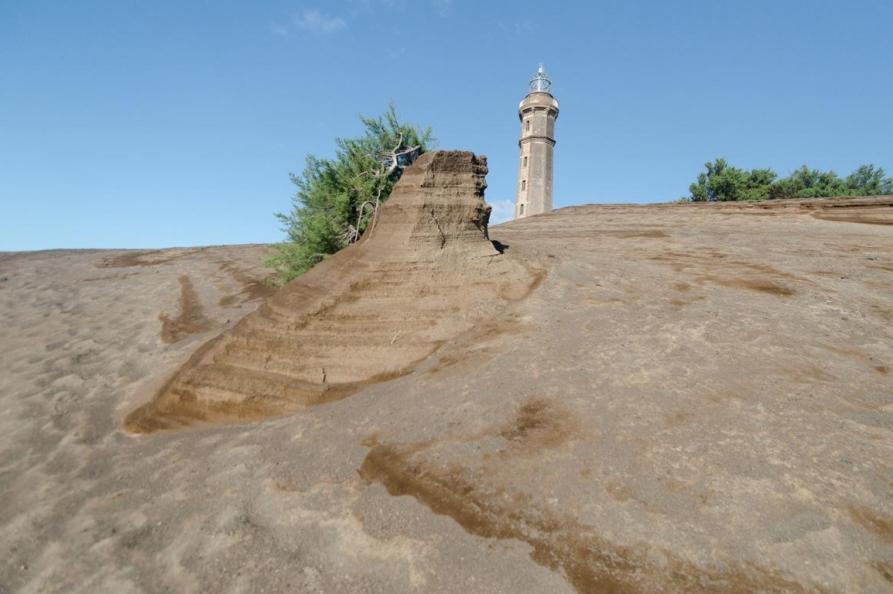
x: 538, y: 112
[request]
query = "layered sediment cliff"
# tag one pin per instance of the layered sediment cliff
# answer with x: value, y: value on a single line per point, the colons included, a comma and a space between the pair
x: 425, y: 273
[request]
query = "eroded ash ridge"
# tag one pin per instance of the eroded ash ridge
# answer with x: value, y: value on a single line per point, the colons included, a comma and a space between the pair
x: 425, y: 273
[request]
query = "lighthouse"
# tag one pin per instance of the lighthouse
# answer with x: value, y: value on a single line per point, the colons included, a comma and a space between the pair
x: 537, y: 112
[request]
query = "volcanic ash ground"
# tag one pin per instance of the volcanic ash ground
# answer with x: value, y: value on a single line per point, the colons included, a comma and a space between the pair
x: 665, y: 398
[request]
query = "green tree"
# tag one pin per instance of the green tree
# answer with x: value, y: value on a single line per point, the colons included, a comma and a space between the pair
x: 758, y: 183
x: 785, y: 188
x: 337, y: 199
x: 817, y: 184
x: 722, y: 182
x: 715, y: 182
x: 869, y: 180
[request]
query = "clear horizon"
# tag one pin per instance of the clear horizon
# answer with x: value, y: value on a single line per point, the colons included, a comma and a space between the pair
x: 177, y: 124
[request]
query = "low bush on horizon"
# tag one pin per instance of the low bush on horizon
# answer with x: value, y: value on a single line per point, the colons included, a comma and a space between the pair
x: 338, y: 199
x: 722, y: 182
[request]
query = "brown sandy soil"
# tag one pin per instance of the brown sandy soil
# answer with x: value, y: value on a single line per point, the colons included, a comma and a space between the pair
x: 694, y: 398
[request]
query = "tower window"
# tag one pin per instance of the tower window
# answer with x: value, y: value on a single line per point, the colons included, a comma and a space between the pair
x: 528, y: 125
x: 523, y: 184
x: 525, y: 160
x: 521, y: 207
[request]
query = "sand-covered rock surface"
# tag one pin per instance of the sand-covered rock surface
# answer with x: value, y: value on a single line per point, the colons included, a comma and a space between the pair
x: 680, y: 398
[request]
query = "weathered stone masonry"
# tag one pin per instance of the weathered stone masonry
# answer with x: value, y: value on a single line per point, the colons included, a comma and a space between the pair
x: 537, y: 112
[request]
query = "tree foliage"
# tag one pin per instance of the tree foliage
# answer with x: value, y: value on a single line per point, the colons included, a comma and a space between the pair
x: 723, y: 182
x: 337, y: 199
x: 869, y: 180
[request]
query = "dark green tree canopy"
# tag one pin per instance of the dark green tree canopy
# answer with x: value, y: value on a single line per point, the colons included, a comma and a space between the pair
x: 337, y: 199
x: 723, y: 182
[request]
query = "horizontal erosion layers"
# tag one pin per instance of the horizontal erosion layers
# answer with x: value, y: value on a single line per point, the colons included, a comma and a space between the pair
x: 425, y: 273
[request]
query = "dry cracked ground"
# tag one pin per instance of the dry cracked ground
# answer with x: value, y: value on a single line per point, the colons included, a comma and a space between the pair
x: 681, y: 399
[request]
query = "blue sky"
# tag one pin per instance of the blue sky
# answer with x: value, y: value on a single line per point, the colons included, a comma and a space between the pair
x: 151, y: 124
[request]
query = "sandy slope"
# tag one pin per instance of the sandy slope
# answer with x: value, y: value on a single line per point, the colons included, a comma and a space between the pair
x: 695, y: 398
